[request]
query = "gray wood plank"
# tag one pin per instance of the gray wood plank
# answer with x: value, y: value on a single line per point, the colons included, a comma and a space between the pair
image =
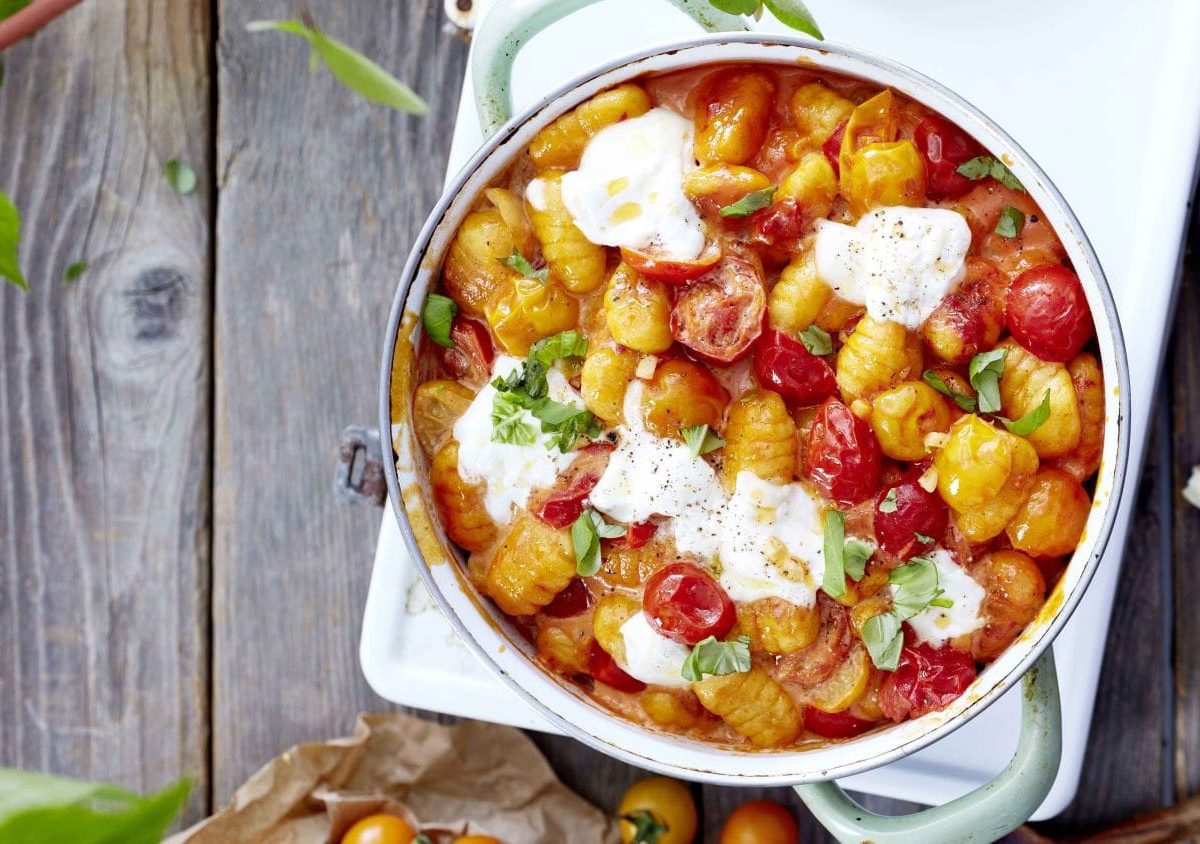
x: 104, y: 399
x: 321, y: 194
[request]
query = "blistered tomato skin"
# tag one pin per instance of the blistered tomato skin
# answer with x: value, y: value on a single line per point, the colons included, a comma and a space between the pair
x: 832, y: 148
x: 915, y: 512
x: 721, y: 314
x: 686, y: 604
x: 842, y: 457
x: 834, y: 725
x: 787, y: 367
x: 669, y: 270
x: 1048, y: 312
x: 945, y: 148
x: 572, y: 601
x: 925, y: 680
x: 605, y: 669
x: 471, y: 357
x: 639, y: 534
x: 561, y: 505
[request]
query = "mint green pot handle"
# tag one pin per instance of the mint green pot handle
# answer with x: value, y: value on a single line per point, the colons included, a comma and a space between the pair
x: 984, y: 815
x: 509, y: 24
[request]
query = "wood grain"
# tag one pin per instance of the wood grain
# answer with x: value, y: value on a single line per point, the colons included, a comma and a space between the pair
x: 321, y: 194
x: 104, y: 399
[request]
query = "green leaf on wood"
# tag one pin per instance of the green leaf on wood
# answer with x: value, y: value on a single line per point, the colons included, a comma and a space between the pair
x: 10, y: 241
x: 180, y: 176
x: 74, y: 271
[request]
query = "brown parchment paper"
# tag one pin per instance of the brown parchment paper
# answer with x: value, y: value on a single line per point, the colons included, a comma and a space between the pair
x: 469, y: 778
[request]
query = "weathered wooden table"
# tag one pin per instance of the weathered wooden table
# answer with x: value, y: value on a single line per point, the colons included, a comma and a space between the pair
x: 179, y: 592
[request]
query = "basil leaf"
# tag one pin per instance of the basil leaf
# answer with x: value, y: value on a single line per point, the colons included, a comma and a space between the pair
x: 834, y: 580
x: 565, y: 422
x: 737, y: 7
x: 10, y: 241
x: 855, y: 556
x: 749, y: 203
x: 983, y: 166
x: 437, y: 318
x: 916, y: 584
x: 180, y: 176
x: 963, y: 401
x: 8, y: 8
x: 884, y: 640
x: 647, y: 829
x: 73, y: 271
x: 943, y: 603
x: 920, y: 537
x: 700, y: 440
x: 1010, y: 223
x: 350, y: 67
x: 508, y: 422
x: 817, y: 341
x: 568, y: 344
x: 1031, y: 421
x: 717, y: 658
x: 585, y: 542
x: 889, y: 503
x: 984, y: 372
x: 795, y: 15
x: 606, y: 531
x: 39, y: 807
x: 517, y: 262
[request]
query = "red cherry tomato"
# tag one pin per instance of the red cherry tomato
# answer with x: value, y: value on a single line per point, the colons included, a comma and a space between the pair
x: 720, y: 315
x: 925, y: 680
x: 834, y: 725
x: 843, y: 455
x: 832, y: 148
x: 787, y: 367
x: 471, y: 357
x: 915, y: 511
x: 561, y: 504
x: 671, y: 271
x: 783, y: 223
x: 572, y: 601
x: 1048, y: 313
x: 686, y: 604
x: 945, y: 148
x: 605, y: 669
x: 639, y: 534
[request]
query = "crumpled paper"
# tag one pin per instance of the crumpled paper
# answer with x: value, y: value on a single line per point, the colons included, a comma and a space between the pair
x: 469, y: 778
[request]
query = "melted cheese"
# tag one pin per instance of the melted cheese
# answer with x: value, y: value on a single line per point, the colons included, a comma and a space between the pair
x: 936, y: 625
x: 650, y: 656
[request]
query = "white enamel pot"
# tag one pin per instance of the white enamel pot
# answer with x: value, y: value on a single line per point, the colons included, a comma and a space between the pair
x: 982, y: 815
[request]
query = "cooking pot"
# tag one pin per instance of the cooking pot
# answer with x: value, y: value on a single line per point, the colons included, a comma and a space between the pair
x: 983, y: 815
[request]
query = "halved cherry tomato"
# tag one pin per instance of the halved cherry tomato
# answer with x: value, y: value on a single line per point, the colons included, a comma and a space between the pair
x: 605, y: 669
x: 944, y: 147
x: 720, y: 315
x: 686, y: 604
x: 909, y: 511
x: 639, y: 534
x: 832, y: 148
x: 818, y: 661
x: 783, y: 223
x: 1048, y: 312
x: 834, y: 724
x: 924, y: 681
x: 572, y: 601
x: 471, y: 357
x: 561, y: 504
x: 787, y: 367
x: 669, y: 270
x: 842, y: 457
x: 379, y: 829
x: 760, y: 822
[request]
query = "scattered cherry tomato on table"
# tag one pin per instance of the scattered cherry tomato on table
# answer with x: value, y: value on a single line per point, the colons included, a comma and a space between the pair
x: 379, y: 829
x: 842, y: 456
x: 945, y: 148
x: 760, y: 822
x: 1048, y: 312
x: 660, y: 804
x: 786, y: 366
x: 686, y: 604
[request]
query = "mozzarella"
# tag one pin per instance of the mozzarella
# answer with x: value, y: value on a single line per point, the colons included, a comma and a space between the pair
x: 899, y: 262
x: 936, y: 625
x: 650, y: 656
x: 628, y: 190
x: 510, y: 471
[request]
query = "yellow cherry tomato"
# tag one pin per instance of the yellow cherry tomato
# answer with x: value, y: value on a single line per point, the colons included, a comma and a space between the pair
x: 760, y: 822
x: 670, y: 805
x: 379, y: 829
x: 476, y: 839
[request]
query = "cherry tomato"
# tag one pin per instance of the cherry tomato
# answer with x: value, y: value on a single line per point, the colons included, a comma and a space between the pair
x: 379, y: 829
x: 914, y: 511
x: 834, y: 725
x: 787, y: 367
x: 760, y: 822
x: 819, y: 660
x: 842, y: 457
x: 471, y: 357
x: 670, y: 804
x: 945, y: 147
x: 924, y: 681
x: 672, y: 271
x: 477, y: 839
x: 605, y: 669
x: 572, y: 601
x: 639, y: 534
x: 686, y: 604
x: 720, y: 315
x: 1048, y: 312
x: 832, y: 148
x: 560, y: 505
x: 783, y: 223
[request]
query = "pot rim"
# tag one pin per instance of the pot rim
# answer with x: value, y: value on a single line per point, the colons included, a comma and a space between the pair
x: 721, y: 764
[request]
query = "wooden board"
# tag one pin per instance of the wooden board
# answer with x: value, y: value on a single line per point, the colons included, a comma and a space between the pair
x: 104, y: 399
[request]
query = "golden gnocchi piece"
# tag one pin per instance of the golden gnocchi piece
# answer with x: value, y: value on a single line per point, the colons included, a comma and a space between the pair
x: 1088, y: 380
x: 512, y: 211
x: 812, y: 184
x: 621, y: 565
x: 817, y: 111
x: 1026, y: 381
x: 987, y: 521
x: 1015, y: 591
x: 760, y: 438
x: 436, y: 407
x: 561, y: 144
x: 901, y: 416
x: 1051, y: 520
x: 778, y: 626
x: 638, y: 311
x: 611, y: 612
x: 532, y: 565
x: 674, y: 710
x: 753, y: 704
x: 573, y: 259
x: 714, y: 186
x: 474, y: 270
x: 607, y: 372
x: 884, y: 174
x: 681, y: 394
x: 876, y: 355
x: 528, y: 310
x: 732, y: 116
x: 460, y: 503
x: 563, y: 651
x: 970, y: 319
x: 798, y: 297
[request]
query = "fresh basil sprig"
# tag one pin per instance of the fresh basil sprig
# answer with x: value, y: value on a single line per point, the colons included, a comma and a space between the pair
x: 567, y: 344
x: 983, y: 166
x: 586, y: 533
x: 964, y: 401
x: 1032, y: 420
x: 10, y: 241
x: 914, y: 587
x: 518, y: 262
x: 984, y: 372
x: 790, y: 13
x: 748, y: 204
x: 700, y: 440
x: 816, y: 340
x: 1011, y: 222
x: 716, y: 658
x: 508, y: 422
x: 842, y: 556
